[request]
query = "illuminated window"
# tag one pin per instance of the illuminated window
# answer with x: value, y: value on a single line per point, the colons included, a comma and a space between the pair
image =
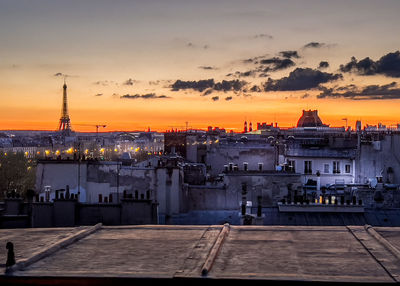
x: 292, y: 165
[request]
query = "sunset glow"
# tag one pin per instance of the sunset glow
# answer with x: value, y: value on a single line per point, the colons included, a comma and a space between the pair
x: 121, y: 60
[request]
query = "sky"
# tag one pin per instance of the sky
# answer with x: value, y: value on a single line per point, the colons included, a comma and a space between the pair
x: 162, y: 64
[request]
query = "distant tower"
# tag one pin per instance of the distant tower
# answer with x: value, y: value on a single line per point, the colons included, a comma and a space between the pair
x: 251, y: 127
x: 65, y: 123
x: 245, y: 127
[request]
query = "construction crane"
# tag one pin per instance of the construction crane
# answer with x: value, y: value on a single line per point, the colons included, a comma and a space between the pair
x: 96, y: 125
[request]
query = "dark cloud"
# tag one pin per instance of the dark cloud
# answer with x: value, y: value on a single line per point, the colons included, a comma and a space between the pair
x: 239, y: 74
x: 215, y: 98
x: 228, y: 98
x: 201, y: 85
x: 371, y: 92
x: 388, y: 65
x: 99, y: 94
x: 323, y: 65
x: 129, y: 82
x: 59, y: 74
x: 228, y: 85
x: 207, y: 68
x: 263, y: 65
x: 363, y: 67
x: 255, y: 88
x: 208, y: 92
x: 246, y: 73
x: 275, y: 64
x: 289, y: 54
x: 143, y: 96
x: 300, y: 79
x: 314, y: 45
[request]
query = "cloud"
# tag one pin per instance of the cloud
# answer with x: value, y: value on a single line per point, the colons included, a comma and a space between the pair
x: 240, y: 74
x: 129, y: 82
x: 227, y: 85
x: 99, y: 94
x: 263, y: 36
x: 245, y: 74
x: 263, y: 65
x: 364, y: 67
x: 228, y: 98
x: 255, y: 88
x: 201, y: 85
x: 275, y: 64
x: 289, y: 54
x: 192, y: 45
x: 154, y: 82
x: 60, y: 74
x: 215, y: 98
x: 207, y: 68
x: 105, y: 82
x: 208, y: 92
x: 323, y: 65
x: 300, y: 79
x: 371, y: 92
x: 314, y: 45
x: 143, y: 96
x: 388, y: 65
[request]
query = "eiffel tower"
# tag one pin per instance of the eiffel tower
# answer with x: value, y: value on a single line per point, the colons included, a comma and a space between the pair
x: 65, y: 123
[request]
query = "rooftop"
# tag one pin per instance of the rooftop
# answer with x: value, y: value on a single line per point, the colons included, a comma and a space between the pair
x: 104, y: 255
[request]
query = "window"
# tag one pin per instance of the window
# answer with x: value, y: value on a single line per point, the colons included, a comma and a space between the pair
x: 336, y: 167
x: 307, y: 167
x: 326, y: 168
x: 347, y: 169
x: 292, y: 166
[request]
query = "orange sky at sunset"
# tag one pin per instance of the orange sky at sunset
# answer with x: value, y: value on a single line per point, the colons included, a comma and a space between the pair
x: 267, y: 60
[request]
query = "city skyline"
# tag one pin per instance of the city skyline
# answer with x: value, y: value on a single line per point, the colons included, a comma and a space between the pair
x: 134, y: 65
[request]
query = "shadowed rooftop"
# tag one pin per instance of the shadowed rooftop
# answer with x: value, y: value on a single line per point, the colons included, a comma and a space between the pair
x: 280, y: 254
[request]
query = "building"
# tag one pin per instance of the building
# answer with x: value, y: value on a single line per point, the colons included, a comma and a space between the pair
x: 158, y: 180
x: 310, y: 118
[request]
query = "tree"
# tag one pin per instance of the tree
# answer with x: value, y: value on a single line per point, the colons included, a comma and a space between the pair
x: 16, y: 173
